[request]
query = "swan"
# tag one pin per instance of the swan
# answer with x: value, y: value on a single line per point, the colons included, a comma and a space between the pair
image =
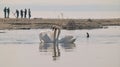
x: 51, y: 36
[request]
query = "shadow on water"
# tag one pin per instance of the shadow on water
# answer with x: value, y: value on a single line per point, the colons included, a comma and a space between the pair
x: 55, y: 48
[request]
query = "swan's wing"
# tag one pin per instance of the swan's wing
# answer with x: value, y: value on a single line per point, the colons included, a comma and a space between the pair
x: 67, y: 39
x: 51, y: 36
x: 46, y: 37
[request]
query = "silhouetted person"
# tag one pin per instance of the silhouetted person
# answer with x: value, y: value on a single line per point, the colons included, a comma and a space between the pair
x: 25, y: 13
x: 88, y: 35
x: 29, y: 13
x: 17, y: 13
x: 8, y: 12
x: 5, y: 12
x: 21, y: 13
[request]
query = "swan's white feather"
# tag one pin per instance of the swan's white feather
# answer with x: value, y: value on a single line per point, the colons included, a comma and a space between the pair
x: 46, y: 37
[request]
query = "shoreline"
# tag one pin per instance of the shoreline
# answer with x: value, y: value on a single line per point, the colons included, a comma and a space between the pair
x: 70, y: 24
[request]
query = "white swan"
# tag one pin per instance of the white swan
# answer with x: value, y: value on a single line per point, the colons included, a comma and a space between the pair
x: 50, y: 37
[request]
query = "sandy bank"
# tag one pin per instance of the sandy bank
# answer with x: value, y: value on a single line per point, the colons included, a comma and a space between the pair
x: 38, y: 23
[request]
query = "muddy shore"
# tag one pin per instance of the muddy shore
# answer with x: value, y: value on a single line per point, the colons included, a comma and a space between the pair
x: 39, y: 23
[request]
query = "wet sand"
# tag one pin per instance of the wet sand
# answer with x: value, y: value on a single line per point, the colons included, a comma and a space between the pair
x: 40, y: 23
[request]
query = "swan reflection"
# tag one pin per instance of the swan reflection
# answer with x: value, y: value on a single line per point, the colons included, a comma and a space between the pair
x: 68, y: 46
x: 45, y: 47
x: 55, y: 48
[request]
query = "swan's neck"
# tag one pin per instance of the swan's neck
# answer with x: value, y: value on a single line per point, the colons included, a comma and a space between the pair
x: 56, y: 34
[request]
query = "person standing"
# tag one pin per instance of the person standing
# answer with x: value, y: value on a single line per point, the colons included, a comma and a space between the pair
x: 17, y: 13
x: 21, y: 13
x: 29, y: 13
x: 5, y: 11
x: 25, y: 13
x: 8, y: 12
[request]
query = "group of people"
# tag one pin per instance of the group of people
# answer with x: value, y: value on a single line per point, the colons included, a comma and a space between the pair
x: 26, y: 13
x: 23, y: 13
x: 6, y: 12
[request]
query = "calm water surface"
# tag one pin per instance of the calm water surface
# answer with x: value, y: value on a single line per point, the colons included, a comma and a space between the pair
x: 22, y: 48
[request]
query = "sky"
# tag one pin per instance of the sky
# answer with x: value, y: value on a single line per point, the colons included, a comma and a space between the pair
x: 61, y: 2
x: 64, y: 5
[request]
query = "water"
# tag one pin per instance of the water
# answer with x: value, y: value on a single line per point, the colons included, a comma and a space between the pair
x: 22, y: 48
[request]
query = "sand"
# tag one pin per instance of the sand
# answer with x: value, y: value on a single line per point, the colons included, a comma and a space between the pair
x: 41, y: 23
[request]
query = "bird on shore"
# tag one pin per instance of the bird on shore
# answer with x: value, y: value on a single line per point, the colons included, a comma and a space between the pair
x: 88, y: 35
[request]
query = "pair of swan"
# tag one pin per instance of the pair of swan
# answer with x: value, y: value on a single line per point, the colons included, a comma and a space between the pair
x: 53, y: 36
